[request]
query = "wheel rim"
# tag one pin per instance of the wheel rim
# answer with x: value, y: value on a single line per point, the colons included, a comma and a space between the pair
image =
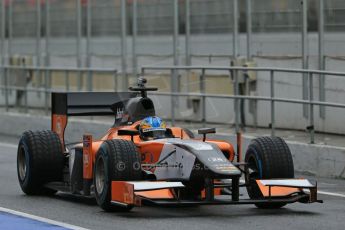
x: 100, y: 177
x: 22, y: 163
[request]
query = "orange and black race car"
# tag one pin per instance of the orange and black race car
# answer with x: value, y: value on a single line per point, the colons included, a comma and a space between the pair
x: 124, y: 169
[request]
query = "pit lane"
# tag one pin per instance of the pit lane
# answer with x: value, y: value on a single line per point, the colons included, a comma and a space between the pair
x: 85, y: 212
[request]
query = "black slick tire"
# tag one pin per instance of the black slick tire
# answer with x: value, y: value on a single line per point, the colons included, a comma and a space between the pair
x: 116, y: 160
x: 267, y: 158
x: 40, y: 160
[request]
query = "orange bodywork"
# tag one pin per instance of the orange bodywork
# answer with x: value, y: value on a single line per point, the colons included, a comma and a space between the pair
x: 59, y: 123
x: 123, y: 193
x: 87, y: 157
x: 276, y: 191
x: 149, y: 152
x: 224, y: 147
x: 157, y: 194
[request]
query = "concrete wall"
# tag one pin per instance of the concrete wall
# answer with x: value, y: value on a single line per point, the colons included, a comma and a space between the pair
x: 313, y: 159
x: 321, y: 161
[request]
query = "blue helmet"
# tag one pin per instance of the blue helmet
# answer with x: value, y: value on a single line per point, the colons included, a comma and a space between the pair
x: 152, y: 127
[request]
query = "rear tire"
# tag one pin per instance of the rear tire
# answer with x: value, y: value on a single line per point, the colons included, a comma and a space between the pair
x: 267, y: 158
x: 40, y: 160
x: 116, y: 160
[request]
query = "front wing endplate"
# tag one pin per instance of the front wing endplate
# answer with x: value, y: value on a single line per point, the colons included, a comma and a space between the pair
x: 287, y: 187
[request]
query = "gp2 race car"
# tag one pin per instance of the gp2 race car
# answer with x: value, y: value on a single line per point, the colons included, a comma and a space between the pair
x: 123, y: 170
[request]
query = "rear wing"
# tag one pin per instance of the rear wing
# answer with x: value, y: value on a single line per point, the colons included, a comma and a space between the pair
x: 69, y: 104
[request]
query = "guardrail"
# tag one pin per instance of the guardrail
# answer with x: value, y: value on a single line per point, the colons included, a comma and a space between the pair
x: 233, y: 71
x: 46, y: 72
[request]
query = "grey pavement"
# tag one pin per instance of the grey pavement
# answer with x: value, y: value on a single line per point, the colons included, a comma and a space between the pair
x: 85, y: 212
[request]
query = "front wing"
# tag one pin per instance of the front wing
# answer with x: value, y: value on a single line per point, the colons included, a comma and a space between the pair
x: 166, y: 193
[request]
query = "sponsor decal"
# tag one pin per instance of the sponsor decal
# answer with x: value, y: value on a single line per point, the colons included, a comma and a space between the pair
x: 147, y: 157
x: 86, y: 159
x: 152, y: 129
x: 227, y: 168
x: 86, y: 141
x: 216, y: 159
x: 119, y: 113
x: 128, y: 194
x: 58, y: 128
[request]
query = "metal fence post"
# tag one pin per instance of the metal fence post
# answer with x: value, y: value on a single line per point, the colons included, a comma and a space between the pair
x: 311, y: 109
x: 38, y: 43
x: 188, y: 60
x: 235, y: 29
x: 10, y: 28
x: 175, y: 35
x: 115, y: 80
x: 6, y: 87
x: 78, y: 50
x: 272, y: 104
x: 3, y: 25
x: 203, y: 102
x: 47, y: 35
x: 88, y: 45
x: 46, y: 85
x: 47, y: 58
x: 124, y: 44
x: 249, y: 29
x: 173, y: 103
x: 134, y: 37
x: 305, y: 54
x: 38, y: 32
x: 237, y: 109
x: 322, y: 96
x: 175, y: 78
x: 25, y: 90
x: 67, y: 80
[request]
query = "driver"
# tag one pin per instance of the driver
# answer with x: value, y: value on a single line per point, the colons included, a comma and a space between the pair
x: 152, y: 128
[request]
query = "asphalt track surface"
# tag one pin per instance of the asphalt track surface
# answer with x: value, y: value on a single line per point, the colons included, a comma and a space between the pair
x: 85, y: 213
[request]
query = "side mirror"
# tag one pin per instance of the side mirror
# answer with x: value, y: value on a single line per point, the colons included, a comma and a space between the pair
x: 205, y: 131
x: 128, y: 132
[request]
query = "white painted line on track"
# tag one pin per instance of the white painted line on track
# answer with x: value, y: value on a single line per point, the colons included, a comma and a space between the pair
x: 331, y: 194
x: 41, y: 219
x: 242, y: 181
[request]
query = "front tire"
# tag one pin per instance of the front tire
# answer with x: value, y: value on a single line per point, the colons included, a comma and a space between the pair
x: 116, y: 160
x: 39, y: 160
x: 267, y: 158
